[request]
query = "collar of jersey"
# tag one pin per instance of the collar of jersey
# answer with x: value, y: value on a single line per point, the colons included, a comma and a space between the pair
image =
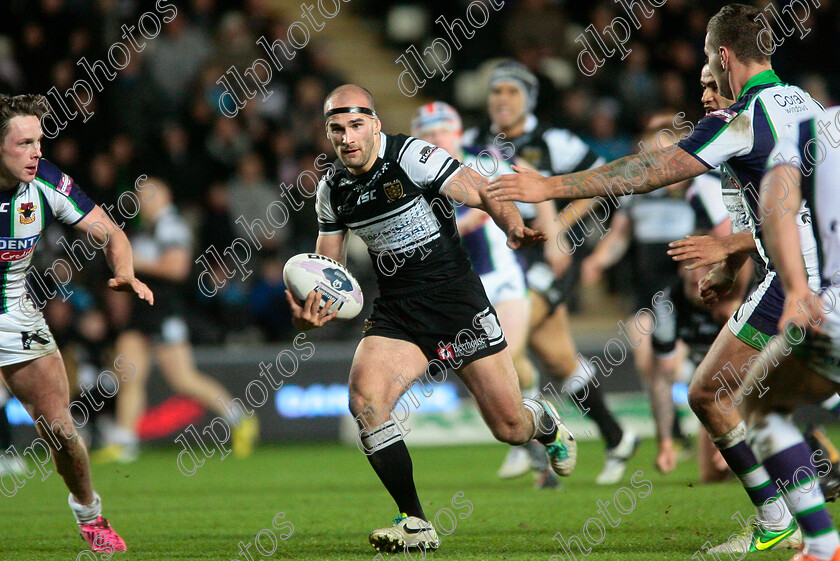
x: 760, y: 79
x: 13, y: 192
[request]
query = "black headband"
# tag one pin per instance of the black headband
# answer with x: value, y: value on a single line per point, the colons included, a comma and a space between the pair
x: 354, y: 109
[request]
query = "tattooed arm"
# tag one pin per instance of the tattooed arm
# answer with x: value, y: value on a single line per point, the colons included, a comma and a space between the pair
x: 637, y: 173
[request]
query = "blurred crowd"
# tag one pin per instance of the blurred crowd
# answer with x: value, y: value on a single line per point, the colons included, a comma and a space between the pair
x: 610, y: 107
x: 160, y: 115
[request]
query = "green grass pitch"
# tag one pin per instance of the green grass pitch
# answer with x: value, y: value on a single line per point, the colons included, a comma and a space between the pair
x: 333, y: 499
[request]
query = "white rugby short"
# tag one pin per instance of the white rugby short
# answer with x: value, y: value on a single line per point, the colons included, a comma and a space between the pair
x: 24, y: 334
x: 503, y: 285
x: 821, y: 353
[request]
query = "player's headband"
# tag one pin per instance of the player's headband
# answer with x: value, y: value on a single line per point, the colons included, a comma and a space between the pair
x: 354, y: 109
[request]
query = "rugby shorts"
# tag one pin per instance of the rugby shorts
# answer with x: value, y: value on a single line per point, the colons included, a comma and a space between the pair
x: 24, y: 334
x: 821, y: 352
x: 756, y: 321
x: 453, y: 321
x: 162, y: 323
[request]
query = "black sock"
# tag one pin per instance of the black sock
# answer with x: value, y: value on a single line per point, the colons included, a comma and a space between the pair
x: 5, y: 430
x: 676, y: 429
x: 393, y: 466
x: 593, y: 400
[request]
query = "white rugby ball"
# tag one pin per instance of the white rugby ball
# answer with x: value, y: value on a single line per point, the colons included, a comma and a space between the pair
x: 306, y: 272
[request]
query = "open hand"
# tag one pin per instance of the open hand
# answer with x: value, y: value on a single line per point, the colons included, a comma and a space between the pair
x: 521, y: 236
x: 705, y: 250
x: 525, y: 185
x: 132, y: 284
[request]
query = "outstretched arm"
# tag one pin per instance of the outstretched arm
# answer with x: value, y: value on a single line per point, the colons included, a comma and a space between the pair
x: 470, y: 188
x: 637, y: 173
x: 117, y: 253
x: 708, y: 250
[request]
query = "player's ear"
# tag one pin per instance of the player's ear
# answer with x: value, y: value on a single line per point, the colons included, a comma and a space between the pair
x: 377, y: 126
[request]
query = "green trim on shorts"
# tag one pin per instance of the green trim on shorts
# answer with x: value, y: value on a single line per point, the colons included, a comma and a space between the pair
x: 753, y: 337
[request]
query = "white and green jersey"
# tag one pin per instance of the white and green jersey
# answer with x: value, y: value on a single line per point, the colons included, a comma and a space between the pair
x: 25, y: 212
x: 741, y: 137
x: 813, y: 147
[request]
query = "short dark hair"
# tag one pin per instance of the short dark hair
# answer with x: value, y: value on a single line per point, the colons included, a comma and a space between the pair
x: 24, y: 105
x: 737, y: 26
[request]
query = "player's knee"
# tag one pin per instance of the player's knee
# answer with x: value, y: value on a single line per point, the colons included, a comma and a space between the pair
x: 510, y: 431
x: 57, y: 433
x: 363, y: 402
x: 700, y: 398
x: 357, y: 404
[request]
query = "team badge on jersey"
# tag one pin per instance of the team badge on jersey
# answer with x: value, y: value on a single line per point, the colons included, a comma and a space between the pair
x: 531, y: 154
x: 393, y: 190
x: 27, y: 213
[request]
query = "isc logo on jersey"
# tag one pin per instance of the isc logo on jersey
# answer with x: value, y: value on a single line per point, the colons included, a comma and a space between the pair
x: 15, y: 249
x: 365, y: 197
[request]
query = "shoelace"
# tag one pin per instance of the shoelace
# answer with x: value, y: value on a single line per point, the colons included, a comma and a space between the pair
x: 400, y: 518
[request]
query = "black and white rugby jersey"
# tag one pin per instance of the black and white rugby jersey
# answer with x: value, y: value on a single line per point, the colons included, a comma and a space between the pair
x: 550, y: 150
x: 705, y: 197
x: 152, y: 239
x: 398, y: 210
